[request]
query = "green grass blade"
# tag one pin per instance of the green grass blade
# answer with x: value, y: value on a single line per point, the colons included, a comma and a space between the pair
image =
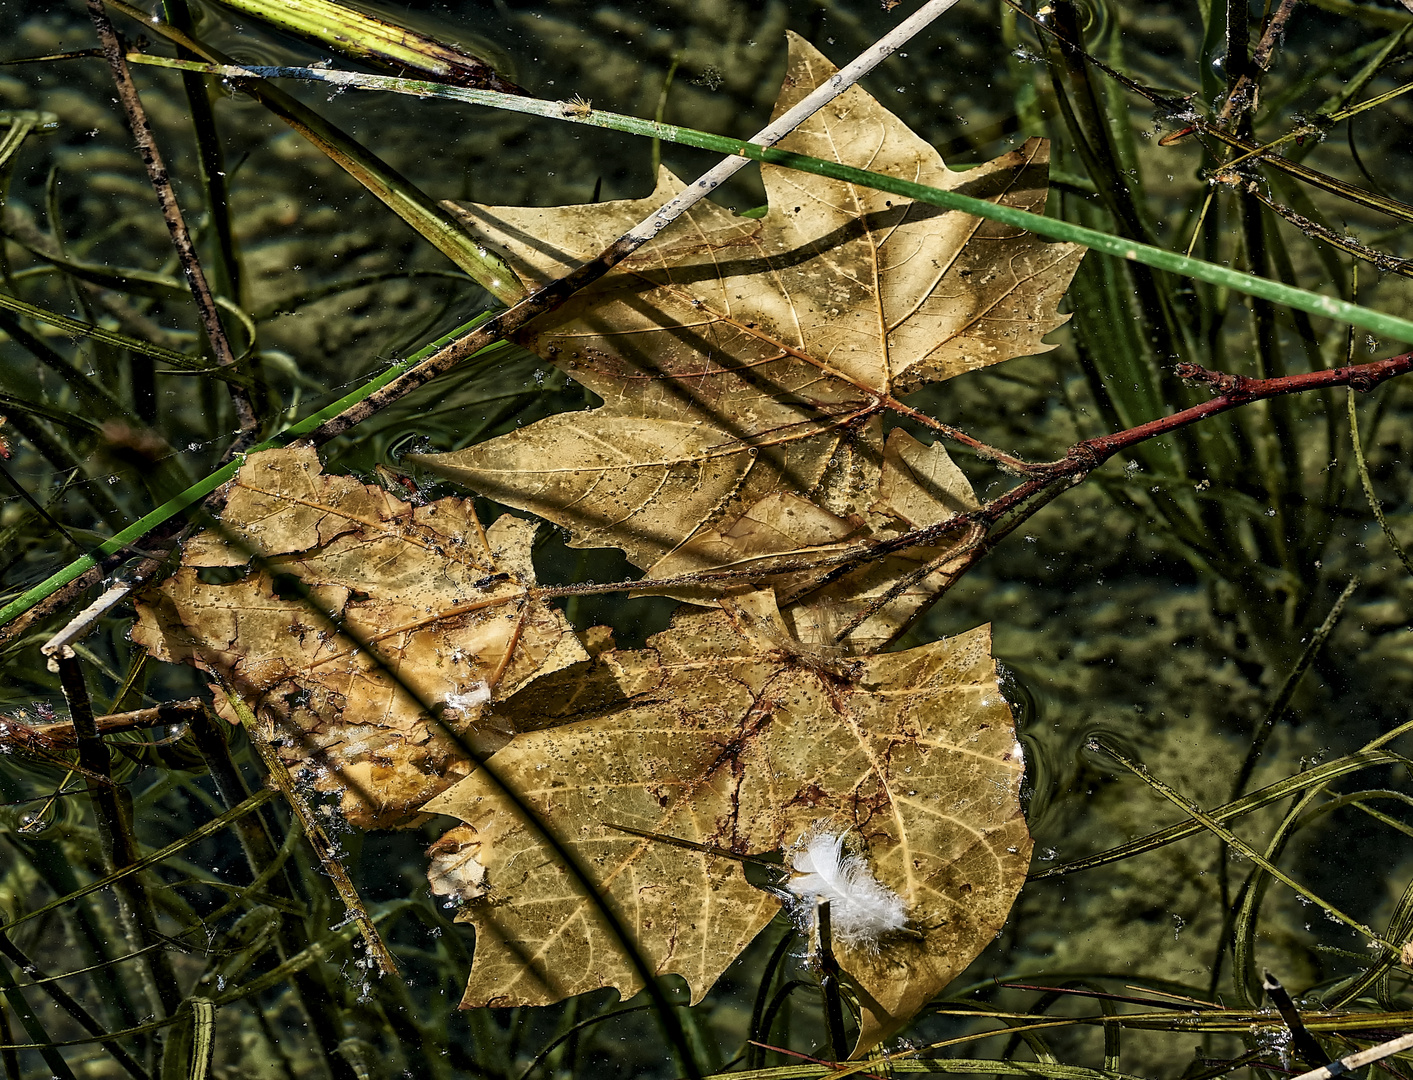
x: 1277, y: 292
x: 32, y: 1025
x: 215, y: 825
x: 185, y: 361
x: 1240, y: 846
x: 378, y: 41
x: 201, y: 489
x: 1292, y: 785
x: 385, y: 183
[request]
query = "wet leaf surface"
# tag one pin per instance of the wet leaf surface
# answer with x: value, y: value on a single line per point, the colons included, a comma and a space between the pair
x: 746, y: 367
x: 729, y: 735
x: 738, y: 358
x: 431, y: 594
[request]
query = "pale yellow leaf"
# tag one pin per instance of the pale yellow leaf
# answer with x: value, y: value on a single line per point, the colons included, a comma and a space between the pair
x: 738, y: 358
x: 735, y: 737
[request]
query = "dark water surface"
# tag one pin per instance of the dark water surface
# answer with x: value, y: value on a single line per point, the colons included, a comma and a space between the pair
x: 1108, y: 622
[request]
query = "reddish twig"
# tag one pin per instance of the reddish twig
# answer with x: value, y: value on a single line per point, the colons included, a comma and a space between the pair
x: 1244, y: 95
x: 1235, y: 391
x: 1049, y: 480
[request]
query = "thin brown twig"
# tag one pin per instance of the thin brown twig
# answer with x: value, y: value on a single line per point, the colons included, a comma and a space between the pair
x: 115, y: 828
x: 64, y: 736
x: 1245, y: 94
x: 141, y: 129
x: 970, y: 547
x: 155, y: 547
x: 314, y: 832
x: 1050, y: 479
x: 556, y: 292
x: 1386, y: 263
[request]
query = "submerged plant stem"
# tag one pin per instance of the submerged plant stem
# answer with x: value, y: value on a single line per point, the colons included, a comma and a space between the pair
x: 318, y: 838
x: 171, y: 212
x: 1239, y: 845
x: 1116, y: 246
x: 113, y: 811
x: 1366, y: 481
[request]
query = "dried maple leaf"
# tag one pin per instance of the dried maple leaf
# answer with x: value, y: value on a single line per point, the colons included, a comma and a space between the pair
x: 727, y: 733
x: 440, y: 601
x: 740, y: 358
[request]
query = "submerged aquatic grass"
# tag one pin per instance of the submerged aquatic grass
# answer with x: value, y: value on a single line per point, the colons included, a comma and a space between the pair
x: 1192, y: 608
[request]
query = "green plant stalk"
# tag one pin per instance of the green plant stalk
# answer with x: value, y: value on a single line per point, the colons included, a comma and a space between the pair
x: 109, y: 337
x: 313, y: 832
x: 63, y: 1000
x: 365, y: 37
x: 210, y: 163
x: 1367, y: 482
x: 1243, y: 923
x: 113, y: 814
x: 1237, y: 844
x: 201, y: 489
x: 310, y: 987
x: 317, y: 953
x: 395, y: 191
x: 1277, y: 292
x: 32, y: 1025
x: 152, y: 858
x: 1283, y: 697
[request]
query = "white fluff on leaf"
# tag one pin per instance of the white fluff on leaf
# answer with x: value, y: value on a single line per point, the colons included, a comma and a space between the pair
x: 861, y: 911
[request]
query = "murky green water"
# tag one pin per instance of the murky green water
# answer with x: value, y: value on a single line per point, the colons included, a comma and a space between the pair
x: 1107, y: 620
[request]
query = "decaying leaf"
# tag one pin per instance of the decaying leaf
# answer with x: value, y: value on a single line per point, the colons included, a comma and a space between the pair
x: 424, y: 589
x: 728, y: 734
x: 745, y: 368
x: 917, y: 486
x: 740, y: 358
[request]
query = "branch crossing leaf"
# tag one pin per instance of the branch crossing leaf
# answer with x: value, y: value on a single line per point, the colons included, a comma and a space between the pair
x: 748, y: 371
x: 738, y: 358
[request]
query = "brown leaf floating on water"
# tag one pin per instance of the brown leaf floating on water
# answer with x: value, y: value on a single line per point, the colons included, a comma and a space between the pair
x: 433, y: 595
x: 745, y: 368
x: 737, y: 738
x: 737, y: 358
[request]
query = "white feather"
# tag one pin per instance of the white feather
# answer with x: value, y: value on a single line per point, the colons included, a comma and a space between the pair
x: 861, y: 910
x: 470, y: 700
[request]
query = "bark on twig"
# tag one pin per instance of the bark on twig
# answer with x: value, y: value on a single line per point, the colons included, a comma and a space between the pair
x: 1245, y: 94
x: 141, y: 129
x: 113, y: 812
x: 1046, y: 480
x: 65, y: 736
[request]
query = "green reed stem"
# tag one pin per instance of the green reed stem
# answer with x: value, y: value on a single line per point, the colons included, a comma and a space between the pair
x: 1119, y: 247
x: 202, y: 488
x: 1239, y: 845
